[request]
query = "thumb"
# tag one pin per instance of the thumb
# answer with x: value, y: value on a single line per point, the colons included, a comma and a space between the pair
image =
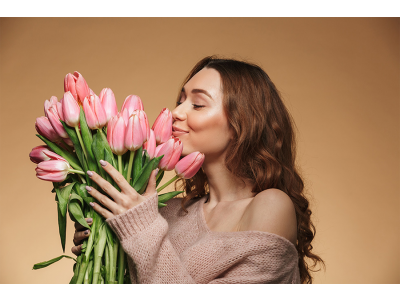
x: 151, y: 186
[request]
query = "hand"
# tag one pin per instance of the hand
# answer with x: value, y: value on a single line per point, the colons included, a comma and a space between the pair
x: 81, y: 233
x: 122, y: 201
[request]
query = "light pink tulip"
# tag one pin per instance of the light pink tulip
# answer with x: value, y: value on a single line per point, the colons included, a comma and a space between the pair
x: 95, y: 115
x: 116, y: 134
x: 162, y: 126
x: 77, y: 85
x: 134, y: 136
x: 145, y: 124
x: 172, y: 150
x: 52, y: 170
x: 37, y: 154
x: 150, y: 145
x: 53, y: 156
x: 44, y: 128
x: 188, y: 166
x: 132, y: 103
x: 107, y: 99
x: 49, y: 103
x: 70, y: 110
x: 54, y: 118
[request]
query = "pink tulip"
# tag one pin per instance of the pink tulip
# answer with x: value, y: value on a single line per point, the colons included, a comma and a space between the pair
x: 54, y: 118
x: 37, y: 154
x: 44, y: 128
x: 150, y: 145
x: 145, y: 124
x: 188, y: 166
x: 70, y: 110
x: 77, y: 85
x: 172, y: 150
x: 49, y: 103
x: 52, y: 170
x: 134, y: 136
x: 107, y: 100
x: 163, y: 126
x: 95, y: 115
x: 116, y: 134
x: 132, y: 103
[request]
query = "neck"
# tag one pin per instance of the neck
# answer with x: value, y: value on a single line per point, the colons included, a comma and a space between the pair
x: 223, y: 185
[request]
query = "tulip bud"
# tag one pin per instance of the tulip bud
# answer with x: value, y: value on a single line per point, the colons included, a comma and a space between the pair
x: 95, y: 115
x: 54, y: 119
x: 52, y: 170
x: 69, y: 85
x: 134, y: 136
x: 188, y: 166
x: 49, y: 103
x: 132, y: 103
x: 107, y: 100
x: 150, y: 145
x: 37, y: 154
x: 77, y: 85
x: 116, y: 134
x: 172, y: 150
x: 44, y: 128
x: 70, y: 109
x: 162, y: 126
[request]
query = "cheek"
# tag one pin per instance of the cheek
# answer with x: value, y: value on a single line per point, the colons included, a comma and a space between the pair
x: 208, y: 134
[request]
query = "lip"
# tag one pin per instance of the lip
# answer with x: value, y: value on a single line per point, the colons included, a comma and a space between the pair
x: 178, y: 133
x: 177, y: 129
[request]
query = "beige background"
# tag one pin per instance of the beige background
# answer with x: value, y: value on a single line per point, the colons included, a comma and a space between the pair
x: 339, y: 78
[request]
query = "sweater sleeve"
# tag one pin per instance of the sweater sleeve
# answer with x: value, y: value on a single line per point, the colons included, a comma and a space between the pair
x: 143, y: 234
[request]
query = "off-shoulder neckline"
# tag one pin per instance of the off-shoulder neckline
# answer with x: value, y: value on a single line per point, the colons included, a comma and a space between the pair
x: 203, y: 223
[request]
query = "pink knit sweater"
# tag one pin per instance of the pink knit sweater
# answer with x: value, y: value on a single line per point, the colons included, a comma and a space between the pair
x: 169, y: 246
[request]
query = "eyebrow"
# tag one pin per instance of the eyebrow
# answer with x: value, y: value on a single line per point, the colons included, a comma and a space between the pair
x: 197, y: 91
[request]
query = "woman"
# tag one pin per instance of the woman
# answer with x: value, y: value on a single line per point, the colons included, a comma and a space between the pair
x: 244, y: 218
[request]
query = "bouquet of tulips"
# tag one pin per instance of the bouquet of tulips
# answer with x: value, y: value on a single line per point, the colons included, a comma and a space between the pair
x: 80, y: 130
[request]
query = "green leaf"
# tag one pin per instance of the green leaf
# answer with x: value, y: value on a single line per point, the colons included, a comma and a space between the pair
x: 62, y: 225
x: 75, y: 196
x: 161, y: 204
x: 137, y: 164
x: 68, y: 156
x: 75, y: 211
x: 98, y: 151
x: 49, y: 262
x: 75, y: 140
x: 88, y: 200
x: 145, y: 158
x: 160, y: 177
x: 63, y: 196
x: 167, y: 196
x: 141, y: 182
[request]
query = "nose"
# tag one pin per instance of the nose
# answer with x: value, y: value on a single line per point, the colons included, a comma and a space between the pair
x: 179, y: 113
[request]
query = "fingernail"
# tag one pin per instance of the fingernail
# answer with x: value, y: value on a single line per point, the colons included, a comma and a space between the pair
x: 103, y: 163
x: 86, y: 232
x: 89, y: 220
x: 90, y: 173
x: 91, y: 204
x: 88, y: 188
x: 157, y: 171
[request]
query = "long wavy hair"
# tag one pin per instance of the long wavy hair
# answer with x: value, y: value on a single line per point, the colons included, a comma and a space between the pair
x: 263, y: 146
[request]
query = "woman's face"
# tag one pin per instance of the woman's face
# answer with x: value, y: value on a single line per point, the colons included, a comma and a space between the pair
x: 200, y: 114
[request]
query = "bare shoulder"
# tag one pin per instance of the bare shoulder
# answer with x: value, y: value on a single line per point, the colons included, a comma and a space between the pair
x: 272, y: 211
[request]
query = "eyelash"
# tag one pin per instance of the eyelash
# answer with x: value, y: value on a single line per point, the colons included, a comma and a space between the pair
x: 195, y: 106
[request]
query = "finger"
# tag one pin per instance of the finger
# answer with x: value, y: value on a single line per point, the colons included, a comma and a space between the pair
x: 102, y: 211
x: 80, y: 235
x: 103, y: 199
x: 151, y: 186
x: 76, y: 250
x: 117, y: 176
x: 105, y: 185
x: 79, y: 227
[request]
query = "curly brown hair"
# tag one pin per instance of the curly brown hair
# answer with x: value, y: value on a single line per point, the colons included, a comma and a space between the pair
x: 263, y: 147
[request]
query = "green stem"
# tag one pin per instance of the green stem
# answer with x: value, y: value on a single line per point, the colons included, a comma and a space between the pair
x: 83, y: 180
x: 87, y: 273
x: 68, y: 147
x: 76, y: 171
x: 168, y: 183
x: 115, y: 259
x: 120, y: 168
x: 121, y: 265
x: 82, y: 272
x: 128, y: 175
x: 81, y: 142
